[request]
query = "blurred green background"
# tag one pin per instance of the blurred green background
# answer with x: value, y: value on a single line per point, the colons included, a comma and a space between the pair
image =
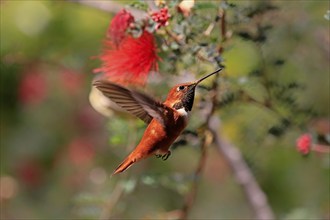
x: 57, y: 152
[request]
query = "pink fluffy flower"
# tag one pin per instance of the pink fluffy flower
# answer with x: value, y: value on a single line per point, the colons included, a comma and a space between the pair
x: 125, y: 59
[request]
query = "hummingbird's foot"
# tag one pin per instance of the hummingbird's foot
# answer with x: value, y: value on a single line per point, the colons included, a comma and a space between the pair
x: 166, y: 156
x: 158, y: 155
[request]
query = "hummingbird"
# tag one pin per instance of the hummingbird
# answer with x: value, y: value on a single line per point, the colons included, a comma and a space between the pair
x: 165, y: 120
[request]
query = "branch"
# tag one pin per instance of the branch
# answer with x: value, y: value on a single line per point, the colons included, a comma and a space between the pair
x: 242, y: 173
x: 255, y: 196
x: 223, y: 26
x: 245, y: 178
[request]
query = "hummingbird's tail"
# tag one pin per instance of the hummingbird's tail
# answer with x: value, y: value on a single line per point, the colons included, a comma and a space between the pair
x: 125, y: 165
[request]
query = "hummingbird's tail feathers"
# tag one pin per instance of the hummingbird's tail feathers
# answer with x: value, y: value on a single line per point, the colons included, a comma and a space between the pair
x: 124, y: 165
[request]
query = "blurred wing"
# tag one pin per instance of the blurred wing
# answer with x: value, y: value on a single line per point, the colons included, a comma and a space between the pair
x: 136, y: 103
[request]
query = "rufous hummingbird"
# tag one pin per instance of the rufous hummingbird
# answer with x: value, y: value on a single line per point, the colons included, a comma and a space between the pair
x: 165, y: 120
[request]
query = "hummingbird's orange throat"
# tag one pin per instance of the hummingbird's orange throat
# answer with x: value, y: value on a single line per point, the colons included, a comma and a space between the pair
x: 188, y: 99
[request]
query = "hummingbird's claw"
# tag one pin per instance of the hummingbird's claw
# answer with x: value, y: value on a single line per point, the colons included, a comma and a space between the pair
x: 158, y: 155
x: 166, y: 156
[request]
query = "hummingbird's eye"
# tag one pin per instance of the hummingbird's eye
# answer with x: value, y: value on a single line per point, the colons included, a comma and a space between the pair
x: 180, y: 88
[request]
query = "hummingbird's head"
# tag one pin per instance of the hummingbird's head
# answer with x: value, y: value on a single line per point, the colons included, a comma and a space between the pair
x: 182, y: 95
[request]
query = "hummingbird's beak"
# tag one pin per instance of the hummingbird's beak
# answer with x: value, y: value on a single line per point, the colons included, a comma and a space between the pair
x: 188, y: 98
x: 200, y: 80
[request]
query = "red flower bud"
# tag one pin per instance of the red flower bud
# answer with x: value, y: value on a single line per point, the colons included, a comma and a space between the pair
x: 304, y: 144
x: 161, y: 17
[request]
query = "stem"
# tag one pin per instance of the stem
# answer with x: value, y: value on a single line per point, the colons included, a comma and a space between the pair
x: 175, y: 37
x: 223, y: 26
x: 191, y: 196
x: 242, y: 173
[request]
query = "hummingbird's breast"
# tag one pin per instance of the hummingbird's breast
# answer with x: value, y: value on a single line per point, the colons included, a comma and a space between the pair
x: 158, y: 137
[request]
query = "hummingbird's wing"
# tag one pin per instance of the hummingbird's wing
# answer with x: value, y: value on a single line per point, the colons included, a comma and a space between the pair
x: 136, y: 103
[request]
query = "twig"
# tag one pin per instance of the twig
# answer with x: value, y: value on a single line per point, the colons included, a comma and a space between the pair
x: 255, y: 196
x: 175, y: 37
x: 223, y: 26
x: 191, y: 196
x: 242, y: 173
